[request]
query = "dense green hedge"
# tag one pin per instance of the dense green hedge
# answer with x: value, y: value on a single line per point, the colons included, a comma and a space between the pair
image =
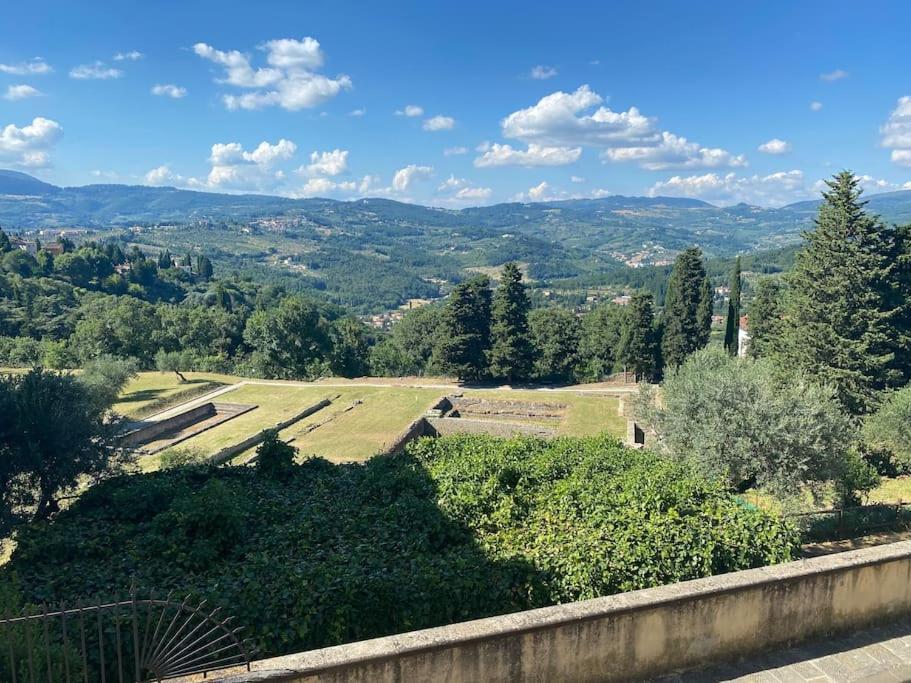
x: 453, y: 529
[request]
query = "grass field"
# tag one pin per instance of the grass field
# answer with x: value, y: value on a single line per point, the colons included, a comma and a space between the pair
x: 152, y: 386
x: 380, y: 413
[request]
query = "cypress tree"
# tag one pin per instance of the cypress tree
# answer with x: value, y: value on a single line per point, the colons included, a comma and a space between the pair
x: 464, y: 331
x: 638, y: 347
x: 511, y: 350
x: 765, y: 318
x: 843, y: 321
x: 687, y: 308
x: 732, y: 324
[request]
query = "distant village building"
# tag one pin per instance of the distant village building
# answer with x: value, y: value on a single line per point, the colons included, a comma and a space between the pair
x: 31, y: 246
x: 743, y: 336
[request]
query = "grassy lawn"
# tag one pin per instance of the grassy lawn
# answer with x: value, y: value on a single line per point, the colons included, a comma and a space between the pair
x: 147, y: 387
x: 891, y: 491
x: 380, y: 415
x: 586, y: 414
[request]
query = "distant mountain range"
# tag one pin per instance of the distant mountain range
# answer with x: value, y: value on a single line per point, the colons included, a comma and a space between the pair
x: 614, y: 222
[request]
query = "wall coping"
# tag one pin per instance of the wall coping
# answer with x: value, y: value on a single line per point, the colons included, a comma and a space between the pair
x: 293, y: 666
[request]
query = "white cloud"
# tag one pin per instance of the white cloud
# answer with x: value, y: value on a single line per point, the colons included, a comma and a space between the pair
x: 411, y: 111
x: 234, y: 168
x: 480, y: 194
x: 815, y: 106
x: 535, y: 155
x: 775, y: 146
x: 357, y: 112
x: 454, y: 151
x: 131, y: 56
x: 322, y: 187
x: 539, y: 191
x: 163, y: 175
x: 559, y: 120
x: 461, y: 191
x: 896, y: 132
x: 674, y: 152
x: 169, y: 90
x: 868, y: 183
x: 439, y: 123
x: 832, y: 76
x: 774, y: 189
x: 35, y: 66
x: 327, y: 163
x: 907, y: 186
x: 98, y: 71
x: 404, y: 177
x: 290, y: 81
x: 600, y: 193
x: 21, y: 92
x: 577, y: 179
x: 542, y: 73
x: 29, y: 146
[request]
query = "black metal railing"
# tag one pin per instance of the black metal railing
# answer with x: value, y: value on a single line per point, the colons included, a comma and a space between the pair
x: 133, y: 640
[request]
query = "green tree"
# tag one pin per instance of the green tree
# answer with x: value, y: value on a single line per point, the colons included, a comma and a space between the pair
x: 54, y: 433
x: 555, y: 334
x: 599, y: 345
x: 177, y: 362
x: 687, y: 309
x: 291, y: 340
x: 638, y: 345
x: 106, y: 376
x: 408, y: 348
x: 164, y: 259
x: 732, y: 323
x: 765, y: 318
x: 511, y: 354
x: 889, y: 428
x: 5, y: 244
x: 843, y: 319
x: 750, y: 424
x: 463, y: 336
x: 350, y: 348
x: 204, y: 267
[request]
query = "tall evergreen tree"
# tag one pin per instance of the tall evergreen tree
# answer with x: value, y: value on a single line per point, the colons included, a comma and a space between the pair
x: 687, y: 308
x: 164, y: 259
x: 602, y: 328
x: 732, y: 324
x: 464, y: 331
x: 765, y: 318
x: 844, y: 319
x: 511, y: 353
x: 638, y: 347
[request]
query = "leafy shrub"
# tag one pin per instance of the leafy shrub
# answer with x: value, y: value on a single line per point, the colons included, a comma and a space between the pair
x: 274, y: 457
x: 180, y: 457
x: 452, y: 529
x: 889, y: 428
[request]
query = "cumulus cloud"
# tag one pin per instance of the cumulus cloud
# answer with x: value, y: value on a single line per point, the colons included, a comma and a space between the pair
x: 775, y: 146
x: 97, y: 71
x: 163, y: 175
x: 579, y: 119
x: 35, y: 66
x: 542, y: 73
x: 410, y: 110
x: 815, y: 106
x: 896, y: 132
x: 20, y: 92
x: 234, y: 168
x: 674, y: 151
x: 357, y: 112
x: 169, y: 90
x: 30, y: 145
x: 833, y: 76
x: 321, y: 187
x: 455, y: 151
x: 131, y: 56
x: 534, y: 155
x: 455, y: 190
x: 774, y: 189
x: 404, y: 177
x: 327, y: 163
x: 290, y: 80
x: 439, y: 123
x: 577, y: 179
x: 539, y: 191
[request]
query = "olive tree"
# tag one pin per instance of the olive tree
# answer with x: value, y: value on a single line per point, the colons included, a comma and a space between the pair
x: 750, y: 424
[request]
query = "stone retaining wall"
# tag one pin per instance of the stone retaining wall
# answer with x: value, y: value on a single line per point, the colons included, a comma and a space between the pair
x: 631, y: 636
x: 152, y: 430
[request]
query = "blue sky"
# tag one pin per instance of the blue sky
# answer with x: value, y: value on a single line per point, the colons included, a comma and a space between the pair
x: 459, y: 104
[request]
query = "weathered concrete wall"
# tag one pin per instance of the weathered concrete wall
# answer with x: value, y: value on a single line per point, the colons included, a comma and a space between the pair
x: 228, y: 452
x: 632, y: 636
x: 152, y: 430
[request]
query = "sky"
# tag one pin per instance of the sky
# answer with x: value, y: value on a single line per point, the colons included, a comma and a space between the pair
x: 460, y: 104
